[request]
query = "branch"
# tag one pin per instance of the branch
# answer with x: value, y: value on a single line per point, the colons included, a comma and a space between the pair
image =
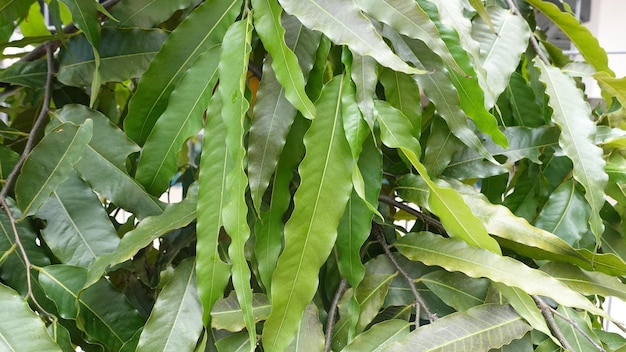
x: 533, y: 40
x: 418, y: 214
x: 419, y: 301
x: 332, y: 312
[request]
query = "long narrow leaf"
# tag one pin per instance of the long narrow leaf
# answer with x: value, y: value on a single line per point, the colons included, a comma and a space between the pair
x: 146, y: 13
x: 344, y: 24
x: 212, y: 273
x: 181, y: 120
x: 379, y: 336
x: 233, y: 68
x: 311, y: 231
x: 204, y: 28
x: 573, y: 114
x: 49, y: 164
x: 175, y: 323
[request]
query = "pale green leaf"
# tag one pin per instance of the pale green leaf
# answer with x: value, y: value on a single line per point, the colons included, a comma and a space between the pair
x: 581, y: 36
x: 101, y: 311
x: 365, y: 77
x: 586, y: 282
x: 481, y: 328
x: 211, y: 271
x: 239, y: 342
x: 226, y: 313
x: 482, y: 12
x: 22, y: 329
x: 104, y: 163
x: 344, y: 24
x: 13, y: 9
x: 175, y: 216
x: 267, y: 16
x: 573, y: 114
x: 124, y: 54
x: 233, y: 69
x: 273, y: 114
x: 181, y: 120
x: 379, y: 336
x: 614, y: 86
x: 501, y: 50
x: 204, y: 28
x: 146, y: 13
x: 455, y: 255
x: 310, y: 337
x: 578, y: 339
x: 310, y: 232
x: 78, y: 229
x: 370, y: 296
x: 49, y: 164
x: 175, y: 323
x: 446, y: 203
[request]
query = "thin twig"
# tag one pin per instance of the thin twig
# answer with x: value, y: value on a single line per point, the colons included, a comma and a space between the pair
x: 418, y: 214
x: 533, y: 40
x: 43, y: 114
x: 546, y: 311
x: 574, y: 324
x: 27, y: 264
x: 332, y: 313
x: 419, y: 302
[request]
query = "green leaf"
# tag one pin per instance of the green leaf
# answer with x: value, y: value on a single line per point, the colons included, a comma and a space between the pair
x: 181, y: 120
x: 456, y: 289
x: 310, y: 337
x: 267, y: 14
x: 446, y: 203
x: 310, y: 233
x: 85, y: 16
x: 572, y: 113
x: 581, y: 36
x: 365, y: 77
x: 455, y: 255
x: 501, y: 50
x: 146, y: 13
x: 174, y: 217
x: 410, y: 19
x: 586, y: 282
x: 344, y: 24
x: 203, y: 29
x: 481, y: 328
x: 565, y: 214
x: 402, y: 92
x: 49, y: 164
x: 233, y: 69
x: 370, y: 296
x: 13, y: 9
x: 24, y: 330
x: 234, y: 343
x: 26, y: 73
x: 175, y: 323
x: 124, y: 54
x: 523, y: 102
x: 482, y: 12
x: 101, y: 311
x: 227, y: 314
x: 578, y: 340
x: 614, y: 86
x: 104, y: 163
x: 212, y: 273
x: 379, y: 336
x: 273, y: 114
x: 78, y: 229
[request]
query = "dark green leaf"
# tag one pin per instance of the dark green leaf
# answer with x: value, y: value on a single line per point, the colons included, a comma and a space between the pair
x: 456, y: 290
x: 85, y: 16
x: 146, y: 13
x: 26, y: 73
x: 13, y: 9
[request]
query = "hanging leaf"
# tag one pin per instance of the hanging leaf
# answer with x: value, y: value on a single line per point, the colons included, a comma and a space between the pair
x: 227, y: 313
x: 500, y: 50
x: 233, y: 68
x: 146, y: 13
x: 78, y: 229
x: 49, y: 164
x: 310, y: 337
x: 203, y: 29
x: 365, y: 77
x: 586, y: 282
x: 24, y: 331
x: 481, y: 328
x: 379, y: 337
x: 572, y: 113
x: 212, y: 273
x: 124, y: 54
x: 179, y: 299
x: 455, y: 255
x: 104, y: 163
x: 344, y: 24
x: 370, y: 296
x: 181, y: 120
x: 85, y: 16
x: 310, y: 233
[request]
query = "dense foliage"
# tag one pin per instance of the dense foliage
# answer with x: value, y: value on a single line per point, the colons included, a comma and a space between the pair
x: 358, y: 175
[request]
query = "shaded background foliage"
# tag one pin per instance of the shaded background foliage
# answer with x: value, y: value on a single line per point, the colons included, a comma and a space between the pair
x: 357, y: 175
